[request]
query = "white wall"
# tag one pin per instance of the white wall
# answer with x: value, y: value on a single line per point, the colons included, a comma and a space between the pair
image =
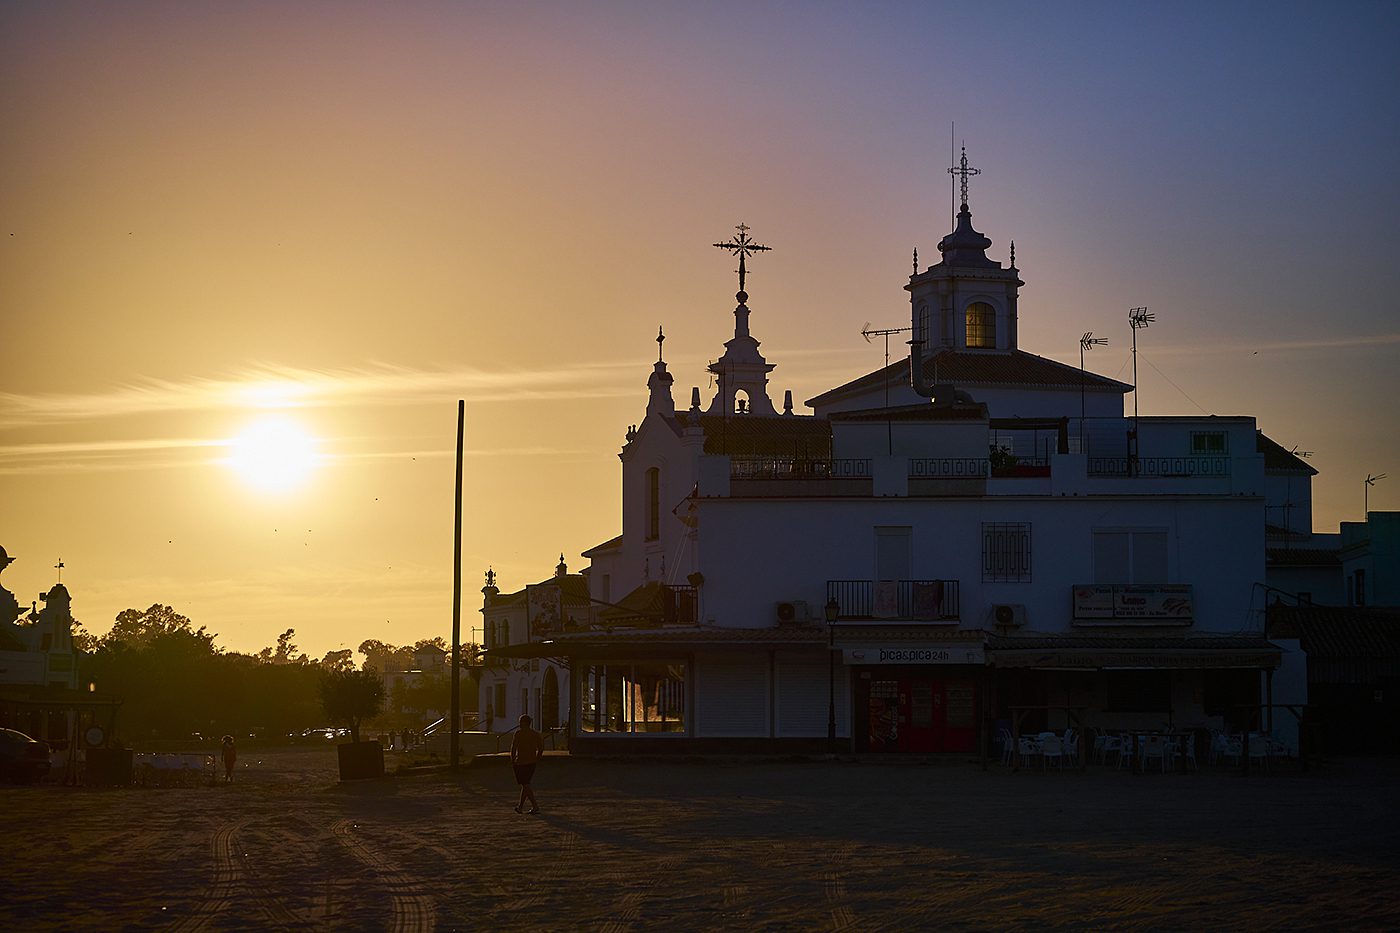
x: 759, y: 552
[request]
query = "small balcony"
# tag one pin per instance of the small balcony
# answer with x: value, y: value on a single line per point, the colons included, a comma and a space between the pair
x: 895, y: 600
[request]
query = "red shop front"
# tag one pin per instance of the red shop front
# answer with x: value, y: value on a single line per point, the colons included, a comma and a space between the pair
x: 916, y: 708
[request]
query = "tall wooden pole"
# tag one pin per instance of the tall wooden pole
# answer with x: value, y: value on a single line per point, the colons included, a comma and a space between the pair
x: 453, y: 749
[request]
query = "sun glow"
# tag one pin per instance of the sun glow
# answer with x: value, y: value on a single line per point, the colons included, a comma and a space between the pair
x: 274, y: 454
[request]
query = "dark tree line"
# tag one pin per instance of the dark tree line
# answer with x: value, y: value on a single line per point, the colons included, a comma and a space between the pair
x: 176, y: 683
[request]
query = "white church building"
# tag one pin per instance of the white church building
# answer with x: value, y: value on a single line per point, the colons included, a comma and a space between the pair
x: 970, y: 539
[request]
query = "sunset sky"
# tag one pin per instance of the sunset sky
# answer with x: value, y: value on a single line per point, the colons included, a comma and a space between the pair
x: 315, y: 226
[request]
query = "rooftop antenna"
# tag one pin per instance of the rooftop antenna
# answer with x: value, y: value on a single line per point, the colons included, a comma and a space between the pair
x: 1366, y: 493
x: 1087, y: 342
x: 952, y: 189
x: 867, y: 333
x: 1138, y: 318
x: 1305, y: 454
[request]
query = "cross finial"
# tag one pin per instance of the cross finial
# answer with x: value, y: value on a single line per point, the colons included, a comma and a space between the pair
x: 660, y: 339
x: 742, y: 246
x: 59, y: 567
x: 962, y: 170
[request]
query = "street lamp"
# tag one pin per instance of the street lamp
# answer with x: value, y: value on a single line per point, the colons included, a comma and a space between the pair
x: 833, y: 609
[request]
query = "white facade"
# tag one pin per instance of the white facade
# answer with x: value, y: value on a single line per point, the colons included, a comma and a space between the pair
x: 989, y: 530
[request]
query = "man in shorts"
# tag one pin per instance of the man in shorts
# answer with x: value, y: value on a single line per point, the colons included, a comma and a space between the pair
x: 526, y: 749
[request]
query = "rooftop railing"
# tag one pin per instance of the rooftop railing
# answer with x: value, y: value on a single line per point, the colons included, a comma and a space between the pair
x: 1159, y: 466
x: 795, y: 469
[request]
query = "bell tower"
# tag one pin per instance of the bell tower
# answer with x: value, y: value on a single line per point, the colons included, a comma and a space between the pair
x: 741, y: 374
x: 965, y: 301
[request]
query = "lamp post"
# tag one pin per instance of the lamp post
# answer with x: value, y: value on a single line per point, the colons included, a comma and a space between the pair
x: 833, y: 609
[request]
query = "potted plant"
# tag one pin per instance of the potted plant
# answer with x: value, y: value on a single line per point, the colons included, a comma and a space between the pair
x: 349, y: 697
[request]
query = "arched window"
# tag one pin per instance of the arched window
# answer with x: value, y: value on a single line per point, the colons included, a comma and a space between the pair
x: 741, y: 402
x: 981, y: 325
x: 653, y: 504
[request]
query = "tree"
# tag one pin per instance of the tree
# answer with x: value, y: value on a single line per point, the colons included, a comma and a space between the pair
x: 139, y: 628
x: 350, y: 696
x: 342, y: 660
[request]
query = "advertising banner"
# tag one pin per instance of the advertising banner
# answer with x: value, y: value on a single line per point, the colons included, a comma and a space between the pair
x: 1163, y: 602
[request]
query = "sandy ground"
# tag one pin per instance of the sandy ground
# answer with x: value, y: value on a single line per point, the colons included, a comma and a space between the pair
x: 709, y: 846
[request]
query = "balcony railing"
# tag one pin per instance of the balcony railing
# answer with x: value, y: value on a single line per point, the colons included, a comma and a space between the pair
x: 1159, y: 466
x: 899, y: 600
x: 948, y: 467
x: 782, y: 469
x: 681, y: 607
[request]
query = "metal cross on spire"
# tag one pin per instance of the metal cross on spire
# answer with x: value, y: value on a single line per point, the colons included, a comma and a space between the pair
x: 962, y: 169
x: 660, y: 339
x: 742, y: 246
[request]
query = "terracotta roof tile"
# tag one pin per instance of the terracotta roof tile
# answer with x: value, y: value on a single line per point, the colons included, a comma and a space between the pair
x: 1278, y: 460
x: 974, y: 368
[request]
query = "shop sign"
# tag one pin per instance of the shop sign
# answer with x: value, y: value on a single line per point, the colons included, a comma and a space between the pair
x: 915, y: 654
x: 1165, y: 601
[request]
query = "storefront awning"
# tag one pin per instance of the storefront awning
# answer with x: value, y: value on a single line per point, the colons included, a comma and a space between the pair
x: 670, y: 639
x: 1088, y: 652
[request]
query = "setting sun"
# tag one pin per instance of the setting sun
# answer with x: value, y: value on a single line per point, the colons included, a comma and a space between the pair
x: 274, y: 454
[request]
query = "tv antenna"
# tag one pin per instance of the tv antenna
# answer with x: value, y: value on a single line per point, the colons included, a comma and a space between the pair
x: 1366, y: 493
x: 1138, y: 318
x: 1087, y: 342
x: 1305, y: 454
x: 867, y: 332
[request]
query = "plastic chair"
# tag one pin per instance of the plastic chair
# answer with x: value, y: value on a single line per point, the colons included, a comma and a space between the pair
x: 1029, y: 749
x: 1154, y: 746
x: 1008, y: 748
x: 1051, y: 749
x: 1125, y: 754
x: 1071, y: 746
x: 1259, y: 748
x: 1186, y: 748
x: 1105, y: 745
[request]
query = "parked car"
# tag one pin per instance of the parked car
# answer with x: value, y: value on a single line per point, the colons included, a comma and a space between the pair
x: 22, y: 759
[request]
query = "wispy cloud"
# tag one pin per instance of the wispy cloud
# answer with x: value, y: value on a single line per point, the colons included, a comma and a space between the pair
x: 1280, y: 346
x: 285, y: 387
x: 178, y: 453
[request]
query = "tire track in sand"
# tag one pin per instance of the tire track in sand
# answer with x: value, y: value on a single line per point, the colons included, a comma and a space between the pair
x: 227, y: 874
x: 226, y: 851
x: 414, y: 911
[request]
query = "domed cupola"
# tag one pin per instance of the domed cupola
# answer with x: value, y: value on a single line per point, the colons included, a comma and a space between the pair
x: 965, y: 246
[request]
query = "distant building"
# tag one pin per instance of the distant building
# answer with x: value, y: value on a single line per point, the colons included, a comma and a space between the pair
x: 40, y: 691
x: 968, y: 540
x: 537, y: 686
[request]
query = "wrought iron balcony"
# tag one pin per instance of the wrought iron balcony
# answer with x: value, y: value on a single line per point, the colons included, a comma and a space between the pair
x: 895, y: 600
x: 680, y: 606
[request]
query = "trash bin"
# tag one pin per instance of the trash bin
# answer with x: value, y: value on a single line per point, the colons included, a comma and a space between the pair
x: 108, y: 767
x: 359, y: 760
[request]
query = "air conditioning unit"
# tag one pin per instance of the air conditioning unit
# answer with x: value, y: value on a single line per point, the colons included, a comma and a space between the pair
x: 794, y: 613
x: 1008, y: 615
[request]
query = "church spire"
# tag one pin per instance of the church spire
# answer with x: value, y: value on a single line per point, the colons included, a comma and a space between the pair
x: 965, y: 246
x: 742, y: 371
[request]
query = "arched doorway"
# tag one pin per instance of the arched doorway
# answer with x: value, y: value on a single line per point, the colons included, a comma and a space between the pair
x: 549, y: 700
